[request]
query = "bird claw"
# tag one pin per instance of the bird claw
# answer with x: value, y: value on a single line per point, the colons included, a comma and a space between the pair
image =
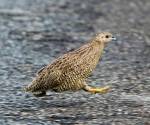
x: 101, y: 90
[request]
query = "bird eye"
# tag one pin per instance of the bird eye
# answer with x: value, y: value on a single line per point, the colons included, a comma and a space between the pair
x: 107, y: 36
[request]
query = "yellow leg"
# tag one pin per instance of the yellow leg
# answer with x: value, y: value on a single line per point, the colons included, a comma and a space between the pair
x: 101, y: 90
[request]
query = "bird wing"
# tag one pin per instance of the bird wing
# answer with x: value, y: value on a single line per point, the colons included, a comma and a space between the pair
x: 54, y: 75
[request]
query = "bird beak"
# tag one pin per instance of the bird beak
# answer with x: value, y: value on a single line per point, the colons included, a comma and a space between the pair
x: 114, y: 38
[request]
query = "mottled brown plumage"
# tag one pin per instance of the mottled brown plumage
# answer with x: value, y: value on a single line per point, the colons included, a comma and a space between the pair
x: 70, y: 71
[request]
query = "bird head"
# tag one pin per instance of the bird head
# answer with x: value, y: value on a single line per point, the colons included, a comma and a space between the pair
x: 104, y: 37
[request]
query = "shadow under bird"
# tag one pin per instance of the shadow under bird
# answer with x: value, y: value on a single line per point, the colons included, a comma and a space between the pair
x: 69, y: 72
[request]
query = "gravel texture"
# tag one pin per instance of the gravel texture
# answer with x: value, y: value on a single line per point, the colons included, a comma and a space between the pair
x: 34, y: 32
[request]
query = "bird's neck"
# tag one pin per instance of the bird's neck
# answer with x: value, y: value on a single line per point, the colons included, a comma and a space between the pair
x: 97, y: 46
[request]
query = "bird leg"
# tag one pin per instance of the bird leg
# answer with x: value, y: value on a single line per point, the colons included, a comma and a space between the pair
x: 94, y: 90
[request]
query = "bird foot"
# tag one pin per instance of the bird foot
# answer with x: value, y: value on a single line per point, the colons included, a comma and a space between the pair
x: 101, y: 90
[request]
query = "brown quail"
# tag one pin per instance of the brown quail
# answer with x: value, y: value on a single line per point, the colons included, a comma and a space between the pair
x: 69, y: 72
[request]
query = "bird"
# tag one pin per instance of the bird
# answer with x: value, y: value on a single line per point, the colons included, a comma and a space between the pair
x: 70, y: 71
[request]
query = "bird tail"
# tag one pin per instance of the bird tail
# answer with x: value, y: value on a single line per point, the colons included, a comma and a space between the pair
x: 27, y: 88
x: 31, y: 87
